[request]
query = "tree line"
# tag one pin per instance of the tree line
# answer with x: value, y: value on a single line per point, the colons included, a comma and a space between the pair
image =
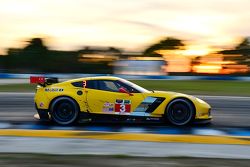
x: 36, y: 57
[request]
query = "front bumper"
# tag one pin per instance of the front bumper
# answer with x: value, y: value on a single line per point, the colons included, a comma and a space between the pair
x: 203, y: 121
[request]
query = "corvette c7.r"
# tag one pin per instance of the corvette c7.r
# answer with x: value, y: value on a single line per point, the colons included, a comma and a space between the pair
x: 113, y: 99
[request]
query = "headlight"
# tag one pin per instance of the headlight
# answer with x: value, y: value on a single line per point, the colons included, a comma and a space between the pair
x: 200, y: 101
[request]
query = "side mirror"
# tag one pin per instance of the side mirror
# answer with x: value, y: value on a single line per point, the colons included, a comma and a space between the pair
x: 123, y: 90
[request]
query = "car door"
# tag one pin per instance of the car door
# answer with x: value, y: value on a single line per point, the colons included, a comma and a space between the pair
x: 105, y: 98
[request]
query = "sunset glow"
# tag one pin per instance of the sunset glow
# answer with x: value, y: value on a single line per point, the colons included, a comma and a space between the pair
x: 128, y: 24
x: 197, y: 51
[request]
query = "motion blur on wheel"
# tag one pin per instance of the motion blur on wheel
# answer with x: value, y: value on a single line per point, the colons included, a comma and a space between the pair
x: 113, y: 99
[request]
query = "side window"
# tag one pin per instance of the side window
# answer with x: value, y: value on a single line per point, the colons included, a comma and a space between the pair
x: 91, y: 84
x: 108, y: 86
x: 78, y: 84
x: 129, y: 88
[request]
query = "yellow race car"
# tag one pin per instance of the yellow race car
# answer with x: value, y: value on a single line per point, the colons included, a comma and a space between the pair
x: 113, y: 99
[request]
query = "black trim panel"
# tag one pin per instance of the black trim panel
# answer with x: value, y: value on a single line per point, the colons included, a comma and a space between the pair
x: 155, y: 104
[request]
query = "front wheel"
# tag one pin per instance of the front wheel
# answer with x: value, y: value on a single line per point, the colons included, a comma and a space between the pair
x: 180, y: 112
x: 64, y: 111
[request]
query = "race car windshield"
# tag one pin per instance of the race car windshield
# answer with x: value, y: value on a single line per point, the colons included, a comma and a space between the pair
x: 137, y: 87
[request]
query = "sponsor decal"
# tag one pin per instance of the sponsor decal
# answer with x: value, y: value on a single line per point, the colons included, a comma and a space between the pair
x: 41, y: 104
x: 53, y: 90
x: 108, y: 107
x: 122, y: 106
x: 153, y: 119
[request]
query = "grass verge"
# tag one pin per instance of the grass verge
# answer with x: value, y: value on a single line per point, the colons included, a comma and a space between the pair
x: 236, y: 88
x: 17, y: 88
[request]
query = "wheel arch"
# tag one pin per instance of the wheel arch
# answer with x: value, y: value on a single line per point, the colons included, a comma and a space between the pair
x: 181, y: 98
x: 61, y: 96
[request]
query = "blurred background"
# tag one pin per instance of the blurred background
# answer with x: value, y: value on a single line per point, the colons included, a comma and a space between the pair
x: 125, y: 37
x: 199, y: 47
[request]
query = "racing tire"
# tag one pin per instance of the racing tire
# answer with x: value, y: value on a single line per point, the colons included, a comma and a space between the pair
x: 180, y: 112
x: 64, y: 111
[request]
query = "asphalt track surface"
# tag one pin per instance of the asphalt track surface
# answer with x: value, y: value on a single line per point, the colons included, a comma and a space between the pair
x: 227, y: 111
x: 231, y: 115
x: 60, y: 146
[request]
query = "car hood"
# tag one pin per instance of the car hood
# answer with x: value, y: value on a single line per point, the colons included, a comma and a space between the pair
x: 170, y: 93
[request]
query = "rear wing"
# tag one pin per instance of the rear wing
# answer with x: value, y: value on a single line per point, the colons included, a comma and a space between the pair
x: 43, y: 81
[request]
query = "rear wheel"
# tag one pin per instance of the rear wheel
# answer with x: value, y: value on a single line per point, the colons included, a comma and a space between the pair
x: 64, y: 111
x: 180, y: 112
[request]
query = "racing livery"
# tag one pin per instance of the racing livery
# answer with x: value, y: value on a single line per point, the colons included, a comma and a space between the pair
x: 113, y: 99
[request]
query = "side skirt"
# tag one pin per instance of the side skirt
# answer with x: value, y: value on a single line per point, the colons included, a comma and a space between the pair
x: 108, y: 118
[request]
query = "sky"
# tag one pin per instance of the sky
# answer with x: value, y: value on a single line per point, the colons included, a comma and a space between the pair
x: 128, y: 24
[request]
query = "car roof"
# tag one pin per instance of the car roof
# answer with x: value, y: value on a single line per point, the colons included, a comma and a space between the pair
x: 95, y: 78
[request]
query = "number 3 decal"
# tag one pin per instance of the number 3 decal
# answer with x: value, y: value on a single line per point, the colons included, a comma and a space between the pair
x: 122, y: 106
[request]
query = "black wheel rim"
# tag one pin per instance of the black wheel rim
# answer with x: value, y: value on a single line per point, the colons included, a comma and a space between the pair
x: 180, y: 113
x: 64, y: 112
